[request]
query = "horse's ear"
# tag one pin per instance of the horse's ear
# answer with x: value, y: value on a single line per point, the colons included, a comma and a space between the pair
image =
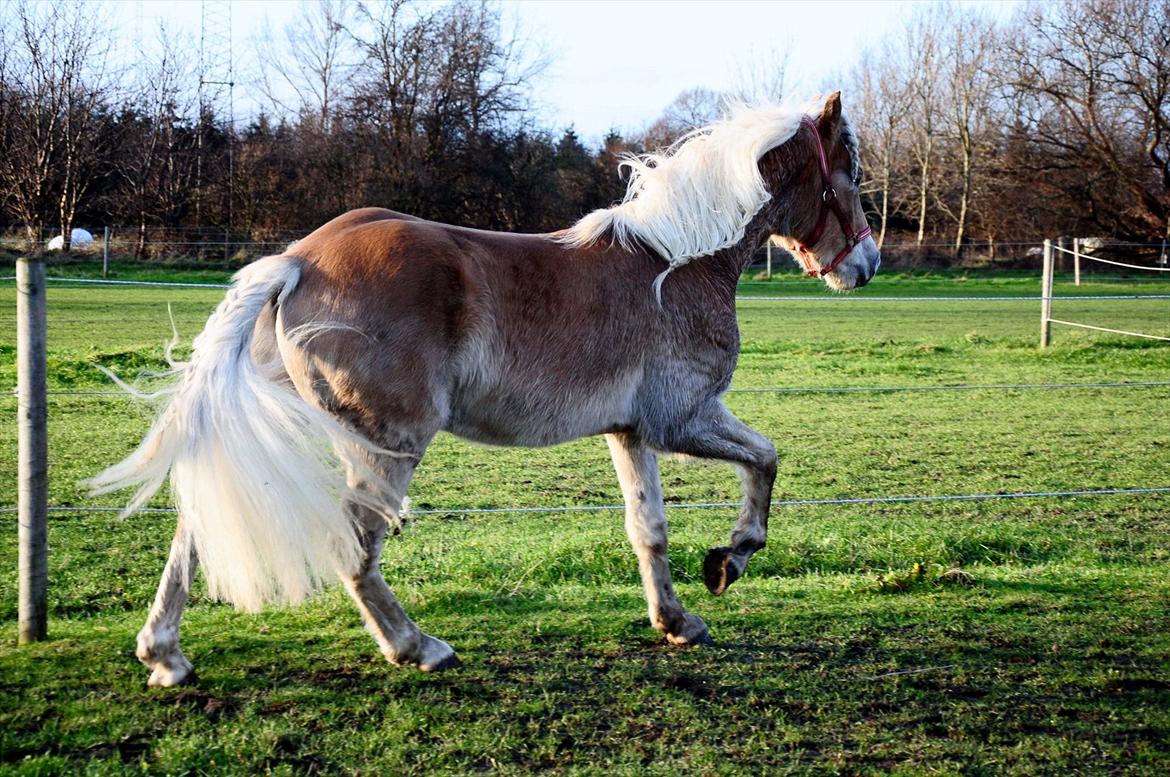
x: 831, y: 113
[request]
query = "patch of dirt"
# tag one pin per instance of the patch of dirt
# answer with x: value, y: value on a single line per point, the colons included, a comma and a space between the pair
x: 209, y: 705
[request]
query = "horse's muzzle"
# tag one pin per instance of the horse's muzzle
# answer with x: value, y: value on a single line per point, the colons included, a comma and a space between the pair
x: 865, y: 275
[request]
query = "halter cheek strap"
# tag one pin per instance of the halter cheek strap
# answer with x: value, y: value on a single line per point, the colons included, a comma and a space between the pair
x: 829, y: 203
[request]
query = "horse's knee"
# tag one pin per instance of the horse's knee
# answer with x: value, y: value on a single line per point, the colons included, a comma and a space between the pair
x: 765, y: 461
x: 768, y: 465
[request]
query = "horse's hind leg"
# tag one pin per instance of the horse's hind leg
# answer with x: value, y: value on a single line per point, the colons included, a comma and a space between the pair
x: 158, y: 641
x: 637, y: 471
x: 399, y: 638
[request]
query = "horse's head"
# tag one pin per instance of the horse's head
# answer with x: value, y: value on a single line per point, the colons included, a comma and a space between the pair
x: 826, y: 228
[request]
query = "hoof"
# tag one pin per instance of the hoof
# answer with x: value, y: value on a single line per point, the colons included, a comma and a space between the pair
x: 693, y: 632
x: 437, y: 655
x: 168, y: 676
x: 450, y: 662
x: 703, y: 639
x: 719, y: 571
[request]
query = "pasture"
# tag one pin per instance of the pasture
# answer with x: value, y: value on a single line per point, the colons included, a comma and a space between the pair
x: 1012, y: 635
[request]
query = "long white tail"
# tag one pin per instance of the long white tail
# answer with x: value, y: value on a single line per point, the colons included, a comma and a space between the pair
x: 255, y: 470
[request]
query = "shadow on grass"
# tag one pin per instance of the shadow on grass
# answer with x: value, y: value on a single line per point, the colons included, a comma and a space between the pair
x: 844, y: 681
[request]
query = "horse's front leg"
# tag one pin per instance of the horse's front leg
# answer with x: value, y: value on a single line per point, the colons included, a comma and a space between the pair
x: 637, y: 471
x: 717, y: 434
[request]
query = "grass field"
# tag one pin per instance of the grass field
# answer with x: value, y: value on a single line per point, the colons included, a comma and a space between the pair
x: 1008, y: 636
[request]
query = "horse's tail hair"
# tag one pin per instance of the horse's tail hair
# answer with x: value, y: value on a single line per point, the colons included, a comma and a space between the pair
x: 254, y: 469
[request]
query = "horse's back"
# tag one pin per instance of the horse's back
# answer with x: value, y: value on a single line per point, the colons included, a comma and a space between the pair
x: 507, y: 338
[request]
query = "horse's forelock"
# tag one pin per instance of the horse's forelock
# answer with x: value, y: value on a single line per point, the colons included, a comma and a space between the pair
x: 849, y: 140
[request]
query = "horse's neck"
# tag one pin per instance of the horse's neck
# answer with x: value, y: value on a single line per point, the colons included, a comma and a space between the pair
x: 779, y: 215
x: 729, y: 264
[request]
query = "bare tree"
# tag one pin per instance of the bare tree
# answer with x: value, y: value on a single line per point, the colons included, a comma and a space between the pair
x: 493, y: 72
x: 691, y: 109
x: 968, y: 81
x: 85, y: 116
x: 9, y: 103
x: 315, y: 60
x: 157, y: 151
x: 436, y: 81
x: 1094, y: 77
x: 879, y: 97
x: 35, y: 100
x: 55, y: 82
x: 763, y: 76
x: 389, y: 91
x: 1142, y: 35
x: 923, y: 62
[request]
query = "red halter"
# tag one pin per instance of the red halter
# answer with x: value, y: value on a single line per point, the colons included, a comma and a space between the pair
x: 829, y: 203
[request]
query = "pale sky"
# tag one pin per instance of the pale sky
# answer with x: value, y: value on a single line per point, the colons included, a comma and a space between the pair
x: 615, y: 64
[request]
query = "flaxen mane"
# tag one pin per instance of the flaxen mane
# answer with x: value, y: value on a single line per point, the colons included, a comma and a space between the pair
x: 698, y: 196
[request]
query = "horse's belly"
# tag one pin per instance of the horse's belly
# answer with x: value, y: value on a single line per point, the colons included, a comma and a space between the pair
x: 532, y: 416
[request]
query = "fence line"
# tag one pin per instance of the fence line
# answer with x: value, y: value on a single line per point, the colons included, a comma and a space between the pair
x: 798, y: 389
x: 1105, y: 329
x: 129, y: 233
x: 106, y: 282
x: 961, y: 387
x: 864, y: 500
x: 1083, y: 255
x: 1047, y: 297
x: 739, y: 298
x: 1018, y: 298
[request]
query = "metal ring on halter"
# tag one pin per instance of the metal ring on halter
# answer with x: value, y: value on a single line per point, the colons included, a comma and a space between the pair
x: 829, y: 194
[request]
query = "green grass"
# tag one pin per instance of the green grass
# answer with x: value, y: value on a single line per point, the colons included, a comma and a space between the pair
x: 1020, y: 636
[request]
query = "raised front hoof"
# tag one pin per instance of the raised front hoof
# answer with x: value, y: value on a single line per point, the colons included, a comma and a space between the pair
x: 692, y: 632
x: 719, y: 570
x: 437, y: 656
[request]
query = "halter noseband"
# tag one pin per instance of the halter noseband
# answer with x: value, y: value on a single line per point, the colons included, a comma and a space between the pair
x: 829, y: 203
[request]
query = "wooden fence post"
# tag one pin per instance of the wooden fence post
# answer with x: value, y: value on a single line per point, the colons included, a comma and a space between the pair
x: 1046, y: 297
x: 768, y: 271
x: 106, y: 253
x: 32, y: 456
x: 1076, y: 261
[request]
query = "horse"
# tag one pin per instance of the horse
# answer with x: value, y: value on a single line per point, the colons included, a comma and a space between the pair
x: 292, y: 432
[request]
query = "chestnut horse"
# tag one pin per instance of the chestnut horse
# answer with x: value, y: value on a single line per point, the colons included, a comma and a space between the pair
x: 292, y: 433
